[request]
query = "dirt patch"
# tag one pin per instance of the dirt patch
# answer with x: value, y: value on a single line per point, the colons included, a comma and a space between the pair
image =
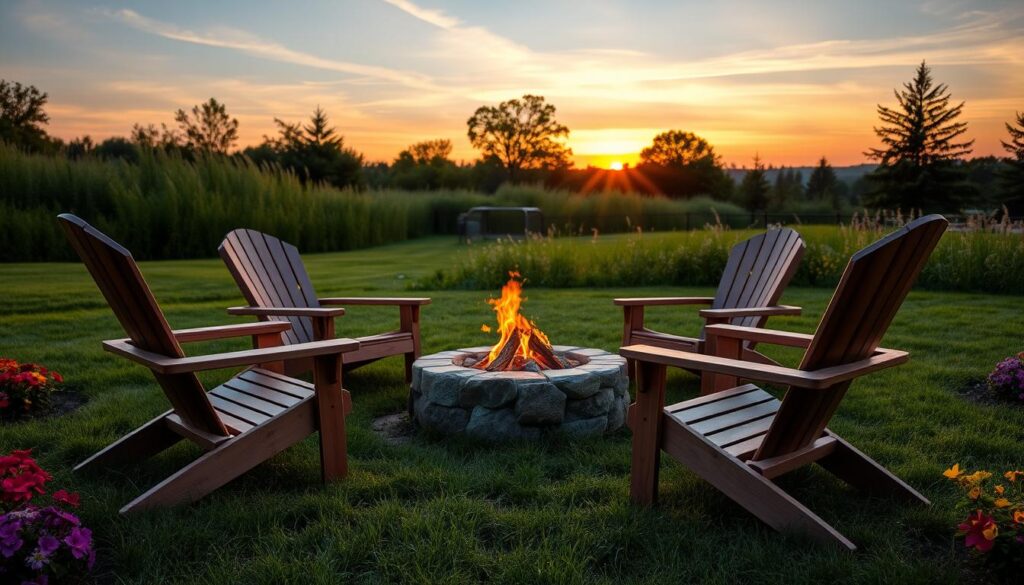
x: 394, y: 429
x: 977, y: 391
x: 62, y: 402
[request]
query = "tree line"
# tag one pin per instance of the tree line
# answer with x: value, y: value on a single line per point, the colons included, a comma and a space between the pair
x: 921, y: 164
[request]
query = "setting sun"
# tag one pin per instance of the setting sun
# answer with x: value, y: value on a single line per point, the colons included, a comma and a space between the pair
x: 615, y: 165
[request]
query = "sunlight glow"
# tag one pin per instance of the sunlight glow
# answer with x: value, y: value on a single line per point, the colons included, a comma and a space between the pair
x: 616, y: 165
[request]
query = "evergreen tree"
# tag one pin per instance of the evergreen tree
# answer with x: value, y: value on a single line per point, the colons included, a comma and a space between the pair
x: 755, y: 188
x: 789, y: 187
x: 1012, y: 178
x: 314, y: 151
x: 824, y: 186
x: 920, y: 155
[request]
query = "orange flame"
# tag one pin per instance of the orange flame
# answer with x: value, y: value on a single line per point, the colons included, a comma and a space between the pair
x: 511, y: 321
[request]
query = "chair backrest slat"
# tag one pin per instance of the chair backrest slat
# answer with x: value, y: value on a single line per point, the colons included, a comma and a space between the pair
x: 270, y: 273
x: 757, y: 272
x: 873, y: 286
x: 118, y: 277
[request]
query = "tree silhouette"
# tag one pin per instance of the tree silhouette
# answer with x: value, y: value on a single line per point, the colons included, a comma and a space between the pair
x: 314, y: 151
x: 919, y: 154
x: 1012, y: 177
x: 676, y: 148
x: 522, y: 134
x: 823, y: 185
x: 429, y: 151
x: 755, y: 188
x: 208, y: 128
x: 22, y: 116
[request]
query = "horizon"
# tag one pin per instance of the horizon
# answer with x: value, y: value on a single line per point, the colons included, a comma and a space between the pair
x: 788, y: 84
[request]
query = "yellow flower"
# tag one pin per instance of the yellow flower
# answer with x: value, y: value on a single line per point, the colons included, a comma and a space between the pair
x: 1018, y: 516
x: 1012, y: 475
x: 977, y: 476
x: 1002, y: 503
x: 975, y: 493
x: 991, y: 532
x: 1000, y: 489
x: 954, y: 472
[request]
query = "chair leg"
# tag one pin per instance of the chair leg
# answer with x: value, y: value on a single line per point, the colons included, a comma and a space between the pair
x: 857, y: 469
x: 646, y: 419
x: 330, y: 407
x: 745, y: 486
x: 142, y: 443
x: 230, y: 459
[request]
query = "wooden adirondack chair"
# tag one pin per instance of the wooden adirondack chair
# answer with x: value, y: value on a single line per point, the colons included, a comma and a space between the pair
x: 741, y: 437
x: 274, y: 282
x: 240, y: 423
x: 758, y: 270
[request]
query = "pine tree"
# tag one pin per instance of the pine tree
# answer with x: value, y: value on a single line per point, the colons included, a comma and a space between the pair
x: 1012, y: 178
x: 823, y: 185
x: 755, y: 188
x: 920, y: 155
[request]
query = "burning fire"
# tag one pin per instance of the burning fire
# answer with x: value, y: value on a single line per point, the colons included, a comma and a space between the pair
x: 521, y: 341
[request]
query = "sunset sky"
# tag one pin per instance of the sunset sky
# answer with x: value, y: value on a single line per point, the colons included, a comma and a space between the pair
x: 791, y: 80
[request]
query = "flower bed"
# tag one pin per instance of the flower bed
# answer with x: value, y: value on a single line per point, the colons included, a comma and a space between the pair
x: 39, y: 544
x: 1007, y: 379
x: 993, y: 529
x: 26, y: 389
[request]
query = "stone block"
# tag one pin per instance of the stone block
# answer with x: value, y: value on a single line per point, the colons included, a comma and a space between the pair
x: 540, y: 404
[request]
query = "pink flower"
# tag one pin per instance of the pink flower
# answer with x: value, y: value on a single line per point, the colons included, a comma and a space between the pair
x: 980, y: 531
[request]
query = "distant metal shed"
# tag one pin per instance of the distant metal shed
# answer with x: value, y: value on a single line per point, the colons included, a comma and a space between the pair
x: 500, y: 222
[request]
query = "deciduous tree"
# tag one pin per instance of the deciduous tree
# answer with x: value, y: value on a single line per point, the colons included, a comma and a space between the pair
x: 521, y: 133
x: 208, y: 128
x: 22, y: 116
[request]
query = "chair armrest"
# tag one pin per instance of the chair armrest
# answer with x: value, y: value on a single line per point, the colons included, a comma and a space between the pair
x: 811, y: 380
x: 750, y: 312
x: 759, y: 335
x: 228, y: 331
x: 396, y: 301
x: 286, y: 311
x: 162, y: 364
x: 652, y: 301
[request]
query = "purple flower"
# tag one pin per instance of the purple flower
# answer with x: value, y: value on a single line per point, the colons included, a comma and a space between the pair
x: 37, y: 560
x: 80, y: 542
x: 48, y: 544
x: 10, y: 546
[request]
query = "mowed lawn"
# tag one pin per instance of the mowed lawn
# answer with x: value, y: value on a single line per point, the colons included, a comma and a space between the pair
x: 453, y: 511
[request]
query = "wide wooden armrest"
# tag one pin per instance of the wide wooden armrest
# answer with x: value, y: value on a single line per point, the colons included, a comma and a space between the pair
x: 228, y: 331
x: 162, y: 364
x: 396, y: 301
x: 759, y: 335
x: 652, y: 301
x: 287, y: 311
x: 750, y: 312
x: 811, y: 380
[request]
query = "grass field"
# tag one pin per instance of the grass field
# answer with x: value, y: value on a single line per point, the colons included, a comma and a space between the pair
x: 452, y: 511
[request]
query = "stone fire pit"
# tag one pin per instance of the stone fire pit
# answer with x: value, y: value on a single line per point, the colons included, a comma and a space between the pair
x: 584, y: 401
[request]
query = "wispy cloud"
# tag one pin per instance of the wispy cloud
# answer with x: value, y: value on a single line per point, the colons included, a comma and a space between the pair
x: 248, y: 43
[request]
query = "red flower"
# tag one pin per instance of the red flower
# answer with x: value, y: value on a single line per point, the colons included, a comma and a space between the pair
x: 980, y: 531
x: 63, y: 497
x: 57, y: 377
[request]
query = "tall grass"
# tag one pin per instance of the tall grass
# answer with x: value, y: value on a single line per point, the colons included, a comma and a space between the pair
x: 963, y: 261
x: 167, y: 207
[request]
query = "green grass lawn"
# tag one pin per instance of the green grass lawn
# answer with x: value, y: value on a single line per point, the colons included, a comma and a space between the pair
x: 454, y: 511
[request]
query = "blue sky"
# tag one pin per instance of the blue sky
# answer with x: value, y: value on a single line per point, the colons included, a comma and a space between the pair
x: 789, y: 80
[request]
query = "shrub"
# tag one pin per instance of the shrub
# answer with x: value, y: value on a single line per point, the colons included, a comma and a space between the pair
x: 1007, y: 379
x: 25, y: 389
x: 993, y: 528
x: 39, y: 544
